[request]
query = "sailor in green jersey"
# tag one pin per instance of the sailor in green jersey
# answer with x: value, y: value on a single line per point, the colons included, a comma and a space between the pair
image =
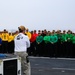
x: 46, y: 38
x: 69, y: 36
x: 47, y: 44
x: 53, y: 41
x: 64, y: 44
x: 73, y: 45
x: 63, y: 37
x: 59, y: 44
x: 39, y: 45
x: 69, y: 43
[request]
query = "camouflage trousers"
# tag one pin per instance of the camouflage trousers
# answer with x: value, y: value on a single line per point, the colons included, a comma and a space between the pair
x: 25, y: 64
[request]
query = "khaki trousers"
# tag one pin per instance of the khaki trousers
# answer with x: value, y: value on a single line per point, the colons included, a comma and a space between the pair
x: 25, y: 64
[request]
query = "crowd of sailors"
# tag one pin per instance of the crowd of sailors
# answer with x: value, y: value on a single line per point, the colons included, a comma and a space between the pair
x: 43, y: 43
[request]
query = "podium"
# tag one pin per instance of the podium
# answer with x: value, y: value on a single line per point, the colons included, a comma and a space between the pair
x: 10, y: 64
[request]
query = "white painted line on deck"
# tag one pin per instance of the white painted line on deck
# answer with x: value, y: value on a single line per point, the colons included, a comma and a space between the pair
x: 36, y: 64
x: 67, y: 58
x: 52, y: 58
x: 63, y: 69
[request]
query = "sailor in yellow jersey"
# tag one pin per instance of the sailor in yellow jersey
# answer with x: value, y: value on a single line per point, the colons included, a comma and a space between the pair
x: 28, y: 34
x: 5, y: 37
x: 11, y: 43
x: 16, y: 33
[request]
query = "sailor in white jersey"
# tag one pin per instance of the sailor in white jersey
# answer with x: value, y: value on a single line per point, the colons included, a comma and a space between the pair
x: 22, y: 42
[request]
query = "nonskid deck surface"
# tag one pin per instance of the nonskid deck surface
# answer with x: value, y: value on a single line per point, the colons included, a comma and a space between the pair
x: 52, y: 66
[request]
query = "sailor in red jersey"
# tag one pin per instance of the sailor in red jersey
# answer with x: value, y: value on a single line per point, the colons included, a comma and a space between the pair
x: 33, y: 43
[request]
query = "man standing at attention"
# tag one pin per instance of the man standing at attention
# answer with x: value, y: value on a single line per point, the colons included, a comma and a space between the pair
x: 21, y: 44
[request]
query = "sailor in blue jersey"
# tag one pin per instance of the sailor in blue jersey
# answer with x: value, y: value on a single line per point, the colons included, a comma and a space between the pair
x: 0, y: 45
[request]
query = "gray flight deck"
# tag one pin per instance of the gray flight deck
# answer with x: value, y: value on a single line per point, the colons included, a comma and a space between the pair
x: 52, y: 66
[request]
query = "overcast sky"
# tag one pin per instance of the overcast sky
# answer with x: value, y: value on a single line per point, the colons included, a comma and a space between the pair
x: 37, y: 14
